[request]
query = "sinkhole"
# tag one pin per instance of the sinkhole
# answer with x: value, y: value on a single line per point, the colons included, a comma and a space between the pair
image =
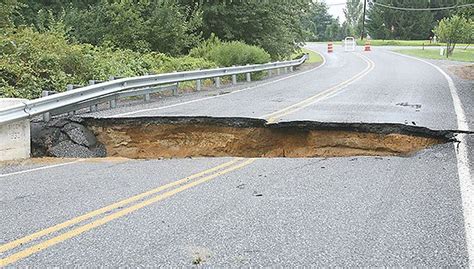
x: 182, y: 137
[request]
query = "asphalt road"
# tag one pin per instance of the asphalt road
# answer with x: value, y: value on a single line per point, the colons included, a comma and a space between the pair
x: 228, y: 212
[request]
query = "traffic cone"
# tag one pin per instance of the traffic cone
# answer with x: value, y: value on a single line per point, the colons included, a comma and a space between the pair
x: 330, y: 47
x: 367, y: 46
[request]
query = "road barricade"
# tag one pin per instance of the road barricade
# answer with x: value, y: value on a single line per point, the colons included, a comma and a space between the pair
x: 330, y: 47
x: 367, y: 46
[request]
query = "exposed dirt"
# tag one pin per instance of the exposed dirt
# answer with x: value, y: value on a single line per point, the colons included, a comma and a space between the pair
x: 464, y: 72
x: 171, y: 137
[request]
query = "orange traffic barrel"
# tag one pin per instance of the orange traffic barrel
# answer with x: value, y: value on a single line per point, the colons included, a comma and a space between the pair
x: 330, y: 48
x: 367, y: 46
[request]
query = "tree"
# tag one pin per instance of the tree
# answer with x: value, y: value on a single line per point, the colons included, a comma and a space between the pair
x: 321, y: 25
x: 30, y: 9
x: 454, y: 30
x: 174, y: 26
x: 137, y: 25
x: 384, y: 22
x: 333, y: 31
x: 376, y: 24
x: 7, y: 10
x: 277, y: 26
x: 466, y: 12
x: 173, y: 29
x: 354, y: 12
x: 345, y: 31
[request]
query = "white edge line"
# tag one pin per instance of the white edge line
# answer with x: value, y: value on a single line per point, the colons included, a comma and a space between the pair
x: 40, y: 168
x: 218, y: 96
x: 464, y: 173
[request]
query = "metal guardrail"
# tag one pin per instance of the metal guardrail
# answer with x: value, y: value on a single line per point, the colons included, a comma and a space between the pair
x: 111, y: 99
x: 97, y: 93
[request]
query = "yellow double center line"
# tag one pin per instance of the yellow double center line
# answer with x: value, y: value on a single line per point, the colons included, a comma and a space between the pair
x: 273, y: 117
x: 203, y: 176
x: 116, y: 210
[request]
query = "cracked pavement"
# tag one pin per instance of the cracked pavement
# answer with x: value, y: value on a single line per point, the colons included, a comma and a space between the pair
x: 351, y: 211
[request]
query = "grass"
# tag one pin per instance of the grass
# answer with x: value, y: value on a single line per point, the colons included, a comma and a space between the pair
x: 378, y: 42
x: 325, y: 42
x: 313, y: 56
x: 458, y: 54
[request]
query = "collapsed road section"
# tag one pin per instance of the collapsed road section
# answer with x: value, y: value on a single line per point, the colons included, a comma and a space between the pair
x: 181, y: 137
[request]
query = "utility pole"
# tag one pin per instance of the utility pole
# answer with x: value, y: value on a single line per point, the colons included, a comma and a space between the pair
x: 363, y: 21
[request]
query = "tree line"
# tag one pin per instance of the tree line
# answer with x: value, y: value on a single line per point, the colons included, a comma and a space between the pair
x: 173, y: 27
x: 46, y: 44
x: 388, y: 23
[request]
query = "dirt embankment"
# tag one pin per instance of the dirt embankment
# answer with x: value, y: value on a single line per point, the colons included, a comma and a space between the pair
x: 465, y: 72
x: 180, y: 137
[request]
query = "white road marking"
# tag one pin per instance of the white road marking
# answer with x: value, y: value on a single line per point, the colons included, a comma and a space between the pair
x: 464, y: 172
x: 40, y: 168
x: 325, y: 94
x: 218, y: 96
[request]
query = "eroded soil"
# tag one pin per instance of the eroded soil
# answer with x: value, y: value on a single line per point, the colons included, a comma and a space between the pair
x: 146, y: 138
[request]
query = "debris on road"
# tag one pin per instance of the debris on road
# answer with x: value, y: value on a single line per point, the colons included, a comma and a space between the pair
x: 65, y: 138
x: 416, y: 106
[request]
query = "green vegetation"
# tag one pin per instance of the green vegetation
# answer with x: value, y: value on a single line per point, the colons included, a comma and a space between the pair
x: 389, y: 23
x: 353, y: 13
x: 31, y: 62
x: 313, y: 56
x: 454, y: 30
x: 320, y: 24
x: 458, y: 54
x: 414, y: 43
x: 46, y: 45
x: 172, y: 27
x: 230, y: 53
x: 276, y: 25
x: 136, y: 25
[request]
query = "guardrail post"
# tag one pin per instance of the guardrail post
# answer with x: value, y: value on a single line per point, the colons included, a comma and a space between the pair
x: 146, y: 97
x: 278, y: 71
x: 47, y: 115
x: 70, y: 87
x: 198, y: 85
x: 217, y: 80
x: 175, y: 89
x: 112, y: 103
x: 270, y: 73
x: 234, y: 78
x: 248, y: 76
x: 92, y: 108
x: 292, y: 69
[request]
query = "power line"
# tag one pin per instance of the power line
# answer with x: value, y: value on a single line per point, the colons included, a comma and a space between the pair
x: 422, y: 9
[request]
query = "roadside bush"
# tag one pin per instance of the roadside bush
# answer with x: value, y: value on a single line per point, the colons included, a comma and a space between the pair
x: 454, y: 30
x: 186, y: 63
x: 31, y: 62
x: 205, y: 47
x: 106, y: 62
x: 231, y: 53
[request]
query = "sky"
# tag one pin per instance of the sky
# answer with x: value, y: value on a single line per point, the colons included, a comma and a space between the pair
x: 335, y: 8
